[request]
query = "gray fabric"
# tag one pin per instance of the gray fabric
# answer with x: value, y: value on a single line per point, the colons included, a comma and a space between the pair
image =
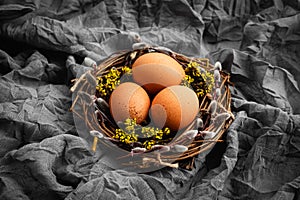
x: 42, y: 44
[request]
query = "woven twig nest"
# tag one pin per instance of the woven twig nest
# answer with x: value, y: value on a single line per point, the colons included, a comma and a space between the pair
x: 96, y: 124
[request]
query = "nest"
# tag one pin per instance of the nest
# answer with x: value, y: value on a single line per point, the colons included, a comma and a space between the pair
x: 92, y: 112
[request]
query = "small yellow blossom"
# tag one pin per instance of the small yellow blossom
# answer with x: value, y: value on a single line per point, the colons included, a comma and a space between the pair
x: 148, y: 144
x: 201, y: 81
x: 108, y: 82
x: 133, y: 132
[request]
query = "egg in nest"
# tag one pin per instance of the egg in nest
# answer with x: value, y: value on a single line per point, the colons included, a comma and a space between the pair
x: 129, y: 100
x: 155, y: 71
x: 174, y: 107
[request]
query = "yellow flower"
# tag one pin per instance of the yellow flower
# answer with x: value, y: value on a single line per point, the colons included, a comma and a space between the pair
x: 201, y: 81
x: 148, y: 144
x: 131, y: 131
x: 108, y: 82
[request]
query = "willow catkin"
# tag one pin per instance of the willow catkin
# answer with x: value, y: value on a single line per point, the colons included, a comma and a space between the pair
x: 97, y: 134
x: 139, y: 45
x: 217, y: 76
x: 191, y: 134
x: 199, y: 123
x: 208, y: 134
x: 88, y: 62
x: 160, y: 148
x: 220, y: 118
x: 180, y: 148
x: 103, y: 105
x: 218, y: 92
x: 213, y: 107
x: 218, y: 66
x: 138, y: 150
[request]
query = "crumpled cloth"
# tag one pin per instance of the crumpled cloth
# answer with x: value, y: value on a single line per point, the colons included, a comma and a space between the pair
x: 42, y: 46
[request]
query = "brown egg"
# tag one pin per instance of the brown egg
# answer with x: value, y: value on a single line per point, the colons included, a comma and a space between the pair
x: 174, y: 107
x: 155, y: 71
x: 129, y: 100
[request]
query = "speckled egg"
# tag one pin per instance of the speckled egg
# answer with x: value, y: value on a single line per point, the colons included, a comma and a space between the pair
x: 129, y: 100
x: 174, y: 107
x: 155, y: 71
